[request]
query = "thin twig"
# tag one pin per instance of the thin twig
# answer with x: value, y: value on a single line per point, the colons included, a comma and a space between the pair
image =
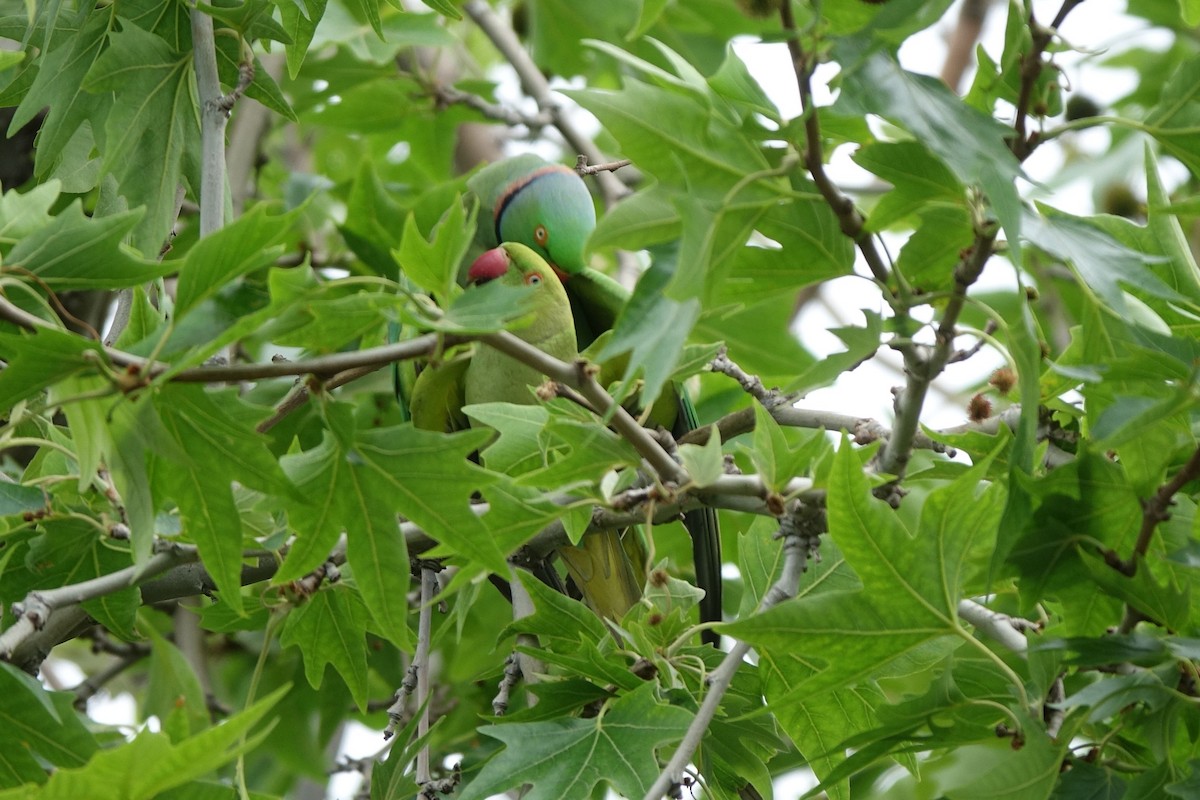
x: 864, y: 429
x: 320, y: 366
x: 448, y: 95
x: 583, y: 168
x: 962, y: 43
x: 1001, y: 627
x: 751, y: 384
x: 923, y: 364
x: 522, y: 606
x: 88, y: 689
x: 849, y: 219
x: 1023, y: 144
x: 797, y: 544
x: 581, y: 376
x: 429, y: 582
x: 1158, y: 509
x: 508, y: 682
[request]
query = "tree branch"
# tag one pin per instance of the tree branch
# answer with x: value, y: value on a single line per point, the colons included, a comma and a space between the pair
x: 448, y: 95
x: 581, y: 377
x: 797, y: 545
x: 1158, y: 509
x: 849, y: 219
x: 421, y: 666
x: 213, y: 118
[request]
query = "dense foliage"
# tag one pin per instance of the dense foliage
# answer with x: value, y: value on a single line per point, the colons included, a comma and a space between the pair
x: 212, y: 500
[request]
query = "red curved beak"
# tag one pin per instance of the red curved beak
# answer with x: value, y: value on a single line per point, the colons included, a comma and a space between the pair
x: 488, y: 266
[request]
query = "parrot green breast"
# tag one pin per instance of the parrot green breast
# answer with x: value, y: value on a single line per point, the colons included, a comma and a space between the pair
x: 493, y: 376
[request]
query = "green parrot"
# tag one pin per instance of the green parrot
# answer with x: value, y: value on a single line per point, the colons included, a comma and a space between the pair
x: 548, y: 208
x: 600, y: 566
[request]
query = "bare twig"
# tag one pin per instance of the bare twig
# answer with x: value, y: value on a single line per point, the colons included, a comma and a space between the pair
x: 864, y: 429
x: 923, y: 364
x: 581, y: 376
x: 849, y: 219
x: 448, y: 95
x: 1023, y: 144
x: 752, y: 384
x: 88, y: 689
x: 34, y: 611
x: 213, y: 118
x: 508, y: 682
x: 1158, y: 509
x: 327, y: 365
x: 797, y: 545
x: 1007, y: 630
x: 429, y: 582
x: 522, y: 606
x: 583, y: 168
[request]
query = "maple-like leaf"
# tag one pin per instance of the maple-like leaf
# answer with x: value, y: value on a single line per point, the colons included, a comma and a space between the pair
x: 568, y: 757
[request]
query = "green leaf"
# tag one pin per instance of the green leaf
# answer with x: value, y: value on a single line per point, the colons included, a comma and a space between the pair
x: 704, y: 463
x: 75, y: 251
x: 300, y: 25
x: 59, y: 85
x: 917, y: 178
x: 433, y: 264
x: 152, y: 123
x: 357, y: 481
x: 173, y: 691
x: 970, y: 143
x: 37, y: 725
x: 928, y: 258
x: 38, y: 359
x: 151, y: 764
x: 652, y: 328
x: 249, y: 244
x: 558, y: 620
x: 216, y: 431
x: 777, y: 358
x: 856, y: 635
x: 14, y: 499
x: 330, y: 628
x: 1103, y: 264
x: 568, y: 757
x: 1174, y: 121
x: 645, y: 218
x: 682, y: 143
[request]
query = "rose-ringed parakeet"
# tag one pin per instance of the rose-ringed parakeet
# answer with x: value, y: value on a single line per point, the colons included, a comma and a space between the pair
x: 548, y: 208
x: 599, y: 566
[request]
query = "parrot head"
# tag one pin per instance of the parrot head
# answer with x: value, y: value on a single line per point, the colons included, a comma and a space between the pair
x: 515, y: 264
x: 550, y: 211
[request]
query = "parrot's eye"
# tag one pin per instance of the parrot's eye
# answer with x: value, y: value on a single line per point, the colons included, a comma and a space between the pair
x: 541, y: 235
x: 533, y: 279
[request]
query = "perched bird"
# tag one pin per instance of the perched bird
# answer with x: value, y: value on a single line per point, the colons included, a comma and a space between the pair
x: 548, y: 208
x: 600, y: 565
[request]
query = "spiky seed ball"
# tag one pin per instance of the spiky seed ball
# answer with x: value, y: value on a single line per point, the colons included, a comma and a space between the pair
x: 1004, y: 379
x: 979, y: 409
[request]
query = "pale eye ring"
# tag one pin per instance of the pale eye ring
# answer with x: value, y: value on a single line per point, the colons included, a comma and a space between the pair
x: 541, y: 235
x: 533, y: 279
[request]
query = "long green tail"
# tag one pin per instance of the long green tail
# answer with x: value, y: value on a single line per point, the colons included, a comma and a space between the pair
x: 705, y: 531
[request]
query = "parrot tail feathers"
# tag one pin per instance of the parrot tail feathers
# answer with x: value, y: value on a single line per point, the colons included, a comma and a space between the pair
x: 601, y: 569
